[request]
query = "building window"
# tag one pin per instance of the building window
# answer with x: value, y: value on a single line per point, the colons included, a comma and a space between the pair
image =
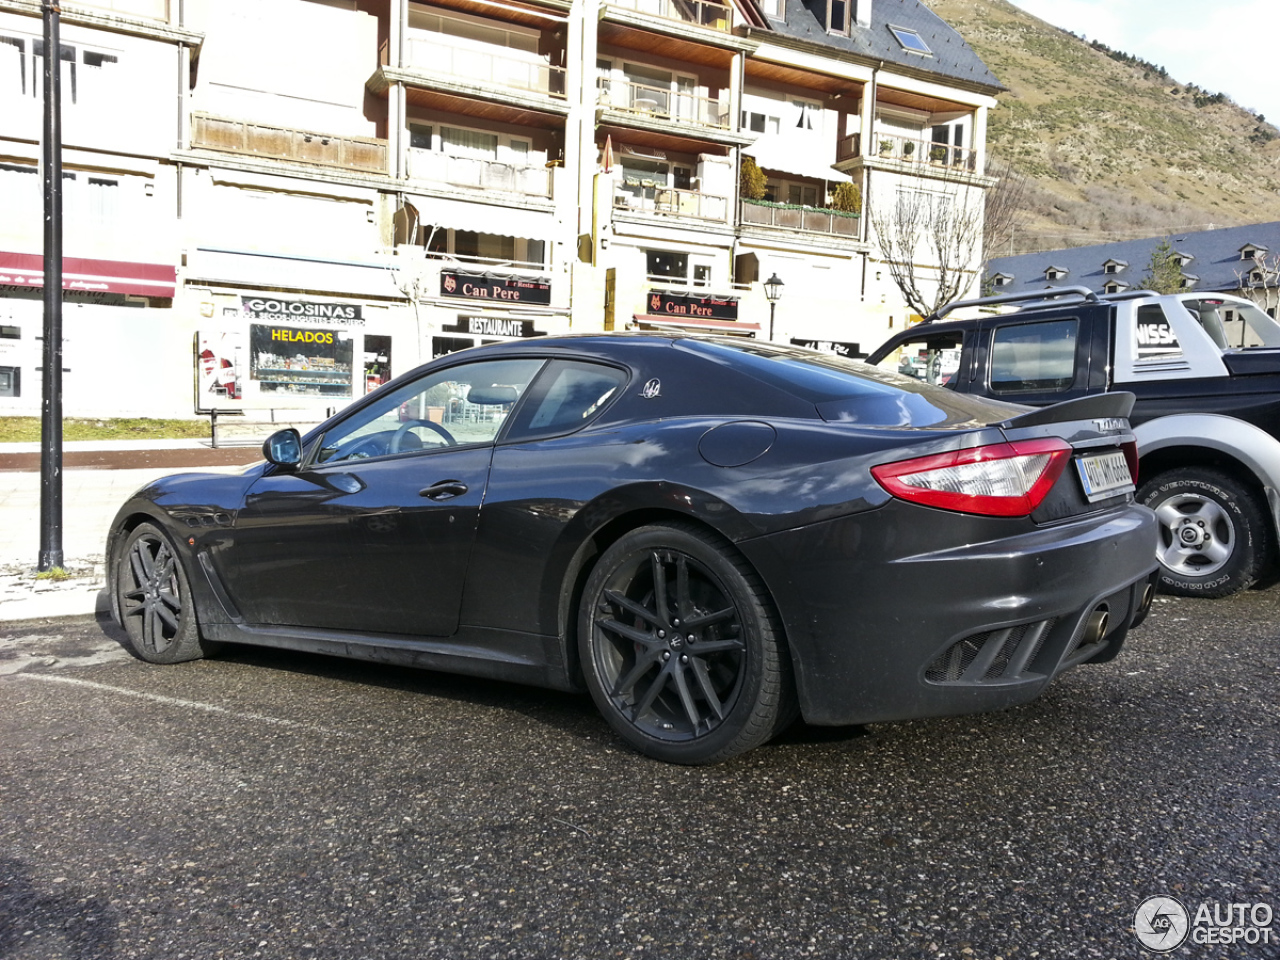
x: 701, y: 275
x: 1110, y: 268
x: 809, y: 115
x: 484, y: 247
x: 772, y: 8
x: 910, y: 41
x: 10, y: 381
x: 1053, y: 273
x: 420, y: 136
x: 667, y: 264
x: 1248, y: 253
x: 838, y: 16
x: 759, y: 122
x: 10, y: 333
x: 1113, y: 287
x: 1000, y: 280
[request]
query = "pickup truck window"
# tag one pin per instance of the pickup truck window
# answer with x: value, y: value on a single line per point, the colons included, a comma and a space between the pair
x: 934, y: 359
x: 1034, y: 356
x: 1155, y: 337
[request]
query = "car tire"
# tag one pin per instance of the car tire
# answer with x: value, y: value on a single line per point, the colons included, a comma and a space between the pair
x: 153, y: 596
x: 1214, y: 539
x: 681, y: 648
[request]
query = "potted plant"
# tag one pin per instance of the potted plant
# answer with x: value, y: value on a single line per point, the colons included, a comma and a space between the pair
x: 937, y: 153
x: 908, y: 150
x: 886, y: 147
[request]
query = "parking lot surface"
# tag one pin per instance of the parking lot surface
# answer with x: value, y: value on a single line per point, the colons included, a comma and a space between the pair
x: 266, y: 804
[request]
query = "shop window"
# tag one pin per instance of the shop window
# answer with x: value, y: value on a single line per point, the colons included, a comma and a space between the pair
x: 1034, y: 356
x: 459, y: 406
x: 10, y: 381
x: 300, y: 361
x: 934, y: 359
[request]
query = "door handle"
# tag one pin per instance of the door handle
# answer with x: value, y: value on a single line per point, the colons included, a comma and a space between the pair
x: 444, y: 490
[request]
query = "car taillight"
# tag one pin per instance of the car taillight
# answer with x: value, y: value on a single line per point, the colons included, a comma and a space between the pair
x: 998, y: 480
x: 1131, y: 457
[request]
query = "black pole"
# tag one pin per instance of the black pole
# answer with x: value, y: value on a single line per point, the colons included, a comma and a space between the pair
x: 772, y: 305
x: 51, y: 402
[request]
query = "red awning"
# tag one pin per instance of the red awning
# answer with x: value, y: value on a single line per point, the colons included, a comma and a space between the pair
x: 101, y: 276
x: 729, y: 326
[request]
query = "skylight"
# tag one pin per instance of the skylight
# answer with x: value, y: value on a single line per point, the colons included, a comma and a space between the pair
x: 911, y: 41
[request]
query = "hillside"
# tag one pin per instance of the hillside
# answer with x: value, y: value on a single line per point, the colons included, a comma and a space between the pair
x: 1109, y: 149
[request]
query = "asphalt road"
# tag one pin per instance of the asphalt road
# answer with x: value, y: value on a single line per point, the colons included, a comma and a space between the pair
x: 287, y: 806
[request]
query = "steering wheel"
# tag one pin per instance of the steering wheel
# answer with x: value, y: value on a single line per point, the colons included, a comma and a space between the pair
x: 402, y: 431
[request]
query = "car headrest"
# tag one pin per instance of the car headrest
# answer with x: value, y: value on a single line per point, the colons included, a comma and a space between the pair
x: 491, y: 394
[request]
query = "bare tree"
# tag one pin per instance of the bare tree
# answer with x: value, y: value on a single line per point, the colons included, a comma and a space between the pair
x: 929, y: 240
x: 1261, y: 282
x: 1006, y: 209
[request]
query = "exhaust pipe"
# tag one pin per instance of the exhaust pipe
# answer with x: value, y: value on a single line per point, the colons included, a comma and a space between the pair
x: 1095, y: 628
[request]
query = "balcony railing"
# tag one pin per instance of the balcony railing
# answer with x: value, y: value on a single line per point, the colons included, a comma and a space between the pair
x: 788, y: 216
x: 364, y: 154
x: 531, y: 181
x: 662, y: 103
x: 647, y: 197
x: 146, y: 9
x: 909, y: 150
x: 714, y: 15
x: 438, y: 56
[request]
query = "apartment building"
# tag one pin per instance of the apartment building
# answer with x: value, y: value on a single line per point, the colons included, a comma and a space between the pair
x: 283, y: 203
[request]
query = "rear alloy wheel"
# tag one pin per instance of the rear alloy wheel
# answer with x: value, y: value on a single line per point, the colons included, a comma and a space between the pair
x: 1213, y: 535
x: 155, y: 599
x: 680, y: 647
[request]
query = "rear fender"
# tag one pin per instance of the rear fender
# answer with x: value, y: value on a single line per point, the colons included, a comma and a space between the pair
x: 1255, y: 449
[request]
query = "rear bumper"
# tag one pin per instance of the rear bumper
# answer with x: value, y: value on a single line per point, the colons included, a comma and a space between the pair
x: 884, y: 625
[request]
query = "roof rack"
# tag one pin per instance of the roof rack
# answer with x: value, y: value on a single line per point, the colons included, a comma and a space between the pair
x: 1128, y: 295
x: 1051, y: 293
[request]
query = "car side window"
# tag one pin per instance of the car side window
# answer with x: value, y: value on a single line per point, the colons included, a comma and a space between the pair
x: 457, y: 406
x: 568, y: 395
x: 1034, y: 356
x: 934, y: 359
x: 1155, y: 336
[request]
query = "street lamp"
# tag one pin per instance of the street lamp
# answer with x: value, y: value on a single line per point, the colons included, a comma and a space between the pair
x: 773, y: 293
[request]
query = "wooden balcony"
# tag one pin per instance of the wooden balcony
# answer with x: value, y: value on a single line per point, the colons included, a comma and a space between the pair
x: 362, y: 154
x: 786, y: 216
x: 645, y: 197
x: 715, y: 16
x: 488, y: 175
x: 434, y: 54
x: 662, y: 103
x: 909, y: 150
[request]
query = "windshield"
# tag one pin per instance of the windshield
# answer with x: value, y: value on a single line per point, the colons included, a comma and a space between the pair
x: 1234, y: 324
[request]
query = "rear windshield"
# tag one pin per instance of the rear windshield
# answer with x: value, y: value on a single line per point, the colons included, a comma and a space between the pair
x: 850, y: 390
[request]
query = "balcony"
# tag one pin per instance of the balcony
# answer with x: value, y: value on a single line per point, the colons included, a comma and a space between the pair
x: 646, y: 197
x: 359, y: 154
x: 145, y: 9
x: 661, y: 103
x: 434, y: 54
x: 715, y: 16
x: 487, y: 175
x: 787, y: 216
x: 910, y: 150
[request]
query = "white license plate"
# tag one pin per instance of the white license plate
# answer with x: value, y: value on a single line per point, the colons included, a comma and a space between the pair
x: 1104, y: 475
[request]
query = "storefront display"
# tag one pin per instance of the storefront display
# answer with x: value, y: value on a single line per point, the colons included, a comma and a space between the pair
x: 301, y: 362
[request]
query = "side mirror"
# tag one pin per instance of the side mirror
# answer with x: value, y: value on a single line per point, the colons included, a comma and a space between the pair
x: 283, y: 448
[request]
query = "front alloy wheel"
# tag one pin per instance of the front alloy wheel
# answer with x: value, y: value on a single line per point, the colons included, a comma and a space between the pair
x: 680, y: 649
x: 154, y: 598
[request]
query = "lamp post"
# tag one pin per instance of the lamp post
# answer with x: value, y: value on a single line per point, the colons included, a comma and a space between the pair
x: 773, y: 293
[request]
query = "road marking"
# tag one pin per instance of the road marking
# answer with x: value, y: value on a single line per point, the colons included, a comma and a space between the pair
x: 178, y: 702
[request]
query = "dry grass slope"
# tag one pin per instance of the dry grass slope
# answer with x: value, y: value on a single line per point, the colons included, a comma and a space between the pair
x: 1112, y: 152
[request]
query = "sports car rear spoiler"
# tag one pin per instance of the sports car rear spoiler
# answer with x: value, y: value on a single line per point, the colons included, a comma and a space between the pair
x: 1102, y: 406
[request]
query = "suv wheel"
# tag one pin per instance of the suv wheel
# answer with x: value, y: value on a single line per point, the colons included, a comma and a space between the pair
x: 1213, y: 532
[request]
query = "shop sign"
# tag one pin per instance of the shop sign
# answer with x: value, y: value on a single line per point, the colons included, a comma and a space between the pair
x: 840, y: 348
x: 693, y: 306
x: 276, y: 310
x: 492, y: 327
x: 478, y: 286
x: 85, y: 275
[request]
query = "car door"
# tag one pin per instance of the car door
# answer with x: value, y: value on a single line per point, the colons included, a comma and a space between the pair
x: 373, y: 532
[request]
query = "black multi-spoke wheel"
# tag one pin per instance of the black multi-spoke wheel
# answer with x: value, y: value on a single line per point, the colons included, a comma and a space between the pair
x: 679, y: 646
x: 154, y: 598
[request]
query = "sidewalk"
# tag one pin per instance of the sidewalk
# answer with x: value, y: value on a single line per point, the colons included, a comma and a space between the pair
x: 90, y: 498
